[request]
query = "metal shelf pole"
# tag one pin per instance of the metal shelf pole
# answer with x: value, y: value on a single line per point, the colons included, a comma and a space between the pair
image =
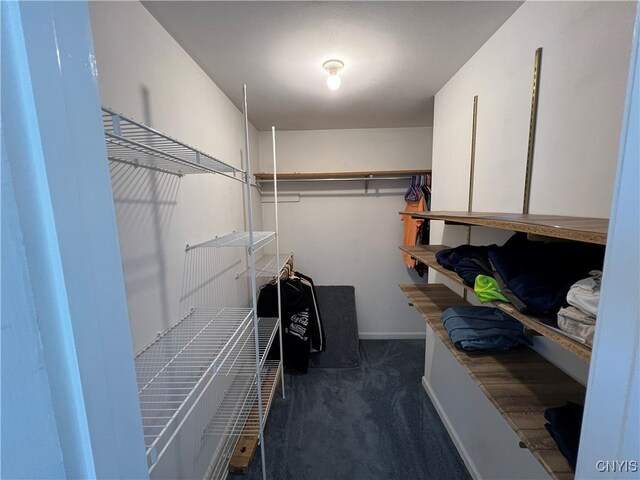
x: 275, y: 197
x: 253, y: 275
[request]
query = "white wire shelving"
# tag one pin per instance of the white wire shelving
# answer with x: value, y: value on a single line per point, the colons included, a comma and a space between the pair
x: 268, y: 266
x: 134, y: 143
x: 218, y: 467
x: 237, y: 413
x: 237, y: 239
x: 211, y: 368
x: 176, y: 368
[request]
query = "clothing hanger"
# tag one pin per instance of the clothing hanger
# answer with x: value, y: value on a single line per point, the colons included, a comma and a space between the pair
x: 426, y: 190
x: 413, y: 194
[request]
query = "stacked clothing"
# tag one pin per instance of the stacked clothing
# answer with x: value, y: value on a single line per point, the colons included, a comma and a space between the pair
x: 483, y: 329
x: 472, y: 265
x: 534, y: 276
x: 564, y: 427
x: 579, y: 318
x: 468, y: 261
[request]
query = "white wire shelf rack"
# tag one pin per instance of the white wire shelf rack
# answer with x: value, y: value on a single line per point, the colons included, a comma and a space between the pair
x: 237, y: 414
x: 237, y: 239
x: 247, y: 420
x: 134, y: 143
x: 176, y: 368
x: 268, y: 266
x: 219, y: 466
x: 243, y: 360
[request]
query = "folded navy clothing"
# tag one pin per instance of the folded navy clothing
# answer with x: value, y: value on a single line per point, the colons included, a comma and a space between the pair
x: 483, y: 328
x: 468, y: 261
x: 469, y: 268
x: 540, y: 274
x: 564, y: 427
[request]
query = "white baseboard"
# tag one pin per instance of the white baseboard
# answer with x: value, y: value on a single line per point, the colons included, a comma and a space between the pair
x: 391, y: 335
x: 452, y: 432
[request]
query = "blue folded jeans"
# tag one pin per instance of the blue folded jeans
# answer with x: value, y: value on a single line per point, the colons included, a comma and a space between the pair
x: 483, y: 328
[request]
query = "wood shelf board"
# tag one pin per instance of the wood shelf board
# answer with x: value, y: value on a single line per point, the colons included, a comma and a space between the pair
x: 536, y: 323
x: 439, y: 299
x: 427, y: 254
x: 582, y: 229
x: 519, y: 383
x: 321, y: 175
x: 526, y: 374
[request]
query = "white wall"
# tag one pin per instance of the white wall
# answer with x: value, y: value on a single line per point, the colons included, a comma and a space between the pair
x: 146, y: 75
x: 339, y: 234
x: 585, y: 56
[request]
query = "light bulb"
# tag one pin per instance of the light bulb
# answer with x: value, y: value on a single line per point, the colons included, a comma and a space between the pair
x: 334, y: 81
x: 333, y: 67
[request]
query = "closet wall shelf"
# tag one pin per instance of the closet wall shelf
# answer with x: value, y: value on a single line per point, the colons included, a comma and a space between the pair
x: 582, y: 229
x: 520, y: 383
x: 134, y: 143
x: 237, y: 239
x: 176, y: 368
x: 268, y: 266
x: 246, y: 411
x: 237, y: 413
x: 426, y: 254
x: 243, y: 348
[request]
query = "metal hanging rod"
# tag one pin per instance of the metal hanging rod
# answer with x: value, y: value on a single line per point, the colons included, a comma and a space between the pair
x: 365, y: 177
x: 340, y: 176
x: 337, y: 179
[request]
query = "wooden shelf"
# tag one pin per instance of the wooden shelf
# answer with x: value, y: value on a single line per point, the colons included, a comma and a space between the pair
x: 427, y: 254
x: 341, y: 175
x: 582, y: 229
x: 519, y: 383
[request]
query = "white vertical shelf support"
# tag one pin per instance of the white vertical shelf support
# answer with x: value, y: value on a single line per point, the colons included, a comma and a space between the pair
x: 252, y: 264
x: 279, y: 274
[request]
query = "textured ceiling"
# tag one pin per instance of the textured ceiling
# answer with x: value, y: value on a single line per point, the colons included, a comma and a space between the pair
x: 397, y: 55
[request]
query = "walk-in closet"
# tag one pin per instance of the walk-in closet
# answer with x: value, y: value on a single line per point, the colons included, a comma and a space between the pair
x: 320, y: 240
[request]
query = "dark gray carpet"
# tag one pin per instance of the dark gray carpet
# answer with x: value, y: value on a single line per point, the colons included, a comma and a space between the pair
x: 371, y: 422
x: 337, y: 306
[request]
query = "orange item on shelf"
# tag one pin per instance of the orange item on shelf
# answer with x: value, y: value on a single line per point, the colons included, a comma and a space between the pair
x: 411, y: 227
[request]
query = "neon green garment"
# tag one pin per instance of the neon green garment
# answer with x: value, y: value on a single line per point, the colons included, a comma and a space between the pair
x: 488, y: 290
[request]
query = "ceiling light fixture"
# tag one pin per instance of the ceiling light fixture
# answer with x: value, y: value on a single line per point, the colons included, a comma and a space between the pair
x: 332, y: 66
